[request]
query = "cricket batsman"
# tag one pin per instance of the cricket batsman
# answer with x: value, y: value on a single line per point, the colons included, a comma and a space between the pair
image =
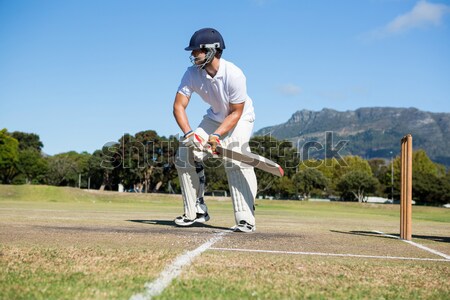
x: 228, y: 122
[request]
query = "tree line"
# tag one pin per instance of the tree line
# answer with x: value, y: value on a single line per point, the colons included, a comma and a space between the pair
x: 144, y: 162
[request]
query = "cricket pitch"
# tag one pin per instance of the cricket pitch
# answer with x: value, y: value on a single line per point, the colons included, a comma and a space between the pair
x: 64, y: 243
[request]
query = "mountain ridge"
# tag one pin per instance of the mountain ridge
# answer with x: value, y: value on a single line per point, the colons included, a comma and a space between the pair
x: 372, y: 132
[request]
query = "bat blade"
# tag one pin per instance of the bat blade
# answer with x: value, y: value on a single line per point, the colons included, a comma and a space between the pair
x: 253, y: 160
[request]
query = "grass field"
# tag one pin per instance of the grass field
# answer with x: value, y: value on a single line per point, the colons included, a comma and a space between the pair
x: 64, y: 243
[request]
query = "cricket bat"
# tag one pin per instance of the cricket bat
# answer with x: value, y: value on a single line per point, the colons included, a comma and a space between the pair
x: 251, y: 159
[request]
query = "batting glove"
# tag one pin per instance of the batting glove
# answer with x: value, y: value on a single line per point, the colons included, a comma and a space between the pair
x: 193, y: 140
x: 213, y: 141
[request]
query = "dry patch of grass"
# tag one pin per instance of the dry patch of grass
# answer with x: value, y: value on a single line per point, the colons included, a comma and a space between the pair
x: 77, y: 273
x: 223, y: 275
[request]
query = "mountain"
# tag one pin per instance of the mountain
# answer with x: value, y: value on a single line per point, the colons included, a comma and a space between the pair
x: 372, y: 132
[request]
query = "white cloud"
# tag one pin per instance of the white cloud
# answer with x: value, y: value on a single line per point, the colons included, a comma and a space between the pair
x: 289, y: 89
x: 423, y: 14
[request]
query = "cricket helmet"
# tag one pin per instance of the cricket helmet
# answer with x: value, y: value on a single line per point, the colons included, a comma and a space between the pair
x: 206, y: 38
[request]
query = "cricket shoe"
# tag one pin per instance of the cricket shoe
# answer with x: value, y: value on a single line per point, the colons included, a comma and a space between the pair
x: 202, y: 218
x: 183, y: 221
x: 243, y: 226
x: 201, y: 207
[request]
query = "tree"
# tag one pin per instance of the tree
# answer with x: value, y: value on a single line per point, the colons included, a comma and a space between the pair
x: 280, y: 151
x: 428, y: 179
x: 144, y: 162
x: 148, y: 160
x: 107, y: 163
x: 9, y: 156
x: 216, y: 178
x: 422, y: 164
x: 96, y: 170
x: 378, y: 166
x: 334, y: 169
x: 441, y: 194
x: 31, y: 166
x: 381, y: 170
x: 285, y: 188
x: 308, y: 179
x: 351, y: 163
x: 65, y: 168
x: 358, y: 184
x: 28, y: 140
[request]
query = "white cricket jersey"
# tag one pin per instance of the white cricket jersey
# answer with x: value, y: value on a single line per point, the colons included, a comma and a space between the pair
x: 227, y: 86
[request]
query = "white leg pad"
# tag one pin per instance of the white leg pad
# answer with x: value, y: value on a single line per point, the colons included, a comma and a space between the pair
x: 243, y: 187
x: 200, y: 205
x: 189, y: 180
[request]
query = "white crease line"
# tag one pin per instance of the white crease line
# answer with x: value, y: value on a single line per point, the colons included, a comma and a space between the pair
x: 173, y: 270
x: 415, y: 244
x: 328, y: 254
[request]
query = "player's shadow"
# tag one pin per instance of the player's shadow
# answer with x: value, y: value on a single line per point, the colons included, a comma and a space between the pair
x: 441, y: 239
x: 171, y: 223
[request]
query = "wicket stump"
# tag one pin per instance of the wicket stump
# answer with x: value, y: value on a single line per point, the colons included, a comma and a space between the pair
x: 406, y: 188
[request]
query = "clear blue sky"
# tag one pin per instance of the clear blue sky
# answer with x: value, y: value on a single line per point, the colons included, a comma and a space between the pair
x: 81, y: 73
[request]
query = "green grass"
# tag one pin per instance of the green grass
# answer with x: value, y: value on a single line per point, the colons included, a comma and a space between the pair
x: 43, y: 193
x: 66, y: 243
x: 71, y: 273
x: 274, y: 277
x: 31, y: 193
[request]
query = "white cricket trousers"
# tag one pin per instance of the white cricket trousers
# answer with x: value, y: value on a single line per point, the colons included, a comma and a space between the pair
x: 241, y: 177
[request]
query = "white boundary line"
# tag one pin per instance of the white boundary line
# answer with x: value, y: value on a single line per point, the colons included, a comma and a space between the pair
x: 414, y: 244
x: 173, y: 270
x: 328, y: 254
